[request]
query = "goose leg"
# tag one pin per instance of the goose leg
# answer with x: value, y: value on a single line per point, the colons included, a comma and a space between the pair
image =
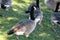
x: 41, y: 18
x: 27, y: 37
x: 40, y: 21
x: 53, y: 27
x: 17, y: 38
x: 52, y: 21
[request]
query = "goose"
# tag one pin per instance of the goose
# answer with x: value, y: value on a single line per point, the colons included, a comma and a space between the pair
x: 24, y: 27
x: 38, y: 14
x: 5, y: 4
x: 51, y: 4
x: 55, y: 16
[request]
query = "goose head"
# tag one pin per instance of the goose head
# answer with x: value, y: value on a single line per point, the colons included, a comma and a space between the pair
x: 29, y: 8
x: 33, y: 4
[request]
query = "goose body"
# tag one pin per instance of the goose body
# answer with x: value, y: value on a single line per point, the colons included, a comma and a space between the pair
x: 55, y: 17
x: 51, y: 4
x: 24, y: 27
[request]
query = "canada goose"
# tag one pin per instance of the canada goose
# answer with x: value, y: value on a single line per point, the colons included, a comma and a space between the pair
x: 51, y: 3
x: 24, y: 27
x: 55, y: 17
x: 37, y: 12
x: 5, y: 4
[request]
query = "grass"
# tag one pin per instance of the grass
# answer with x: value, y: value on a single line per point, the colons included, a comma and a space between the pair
x: 44, y: 31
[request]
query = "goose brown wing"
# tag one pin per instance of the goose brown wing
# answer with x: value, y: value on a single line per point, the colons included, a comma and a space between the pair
x: 23, y: 24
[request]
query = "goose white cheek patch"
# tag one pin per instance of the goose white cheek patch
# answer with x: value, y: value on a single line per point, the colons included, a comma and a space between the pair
x: 19, y: 33
x: 29, y: 17
x: 34, y: 8
x: 7, y: 5
x: 55, y: 21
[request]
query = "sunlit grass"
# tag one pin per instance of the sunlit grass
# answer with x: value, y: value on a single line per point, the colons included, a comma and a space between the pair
x: 2, y: 37
x: 11, y: 18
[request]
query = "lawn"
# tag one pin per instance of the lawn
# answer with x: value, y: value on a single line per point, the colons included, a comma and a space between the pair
x: 43, y: 31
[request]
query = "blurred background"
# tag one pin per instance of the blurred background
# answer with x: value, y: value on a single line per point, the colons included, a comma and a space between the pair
x: 16, y: 12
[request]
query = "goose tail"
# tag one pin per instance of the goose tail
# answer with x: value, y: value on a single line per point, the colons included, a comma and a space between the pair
x: 10, y: 32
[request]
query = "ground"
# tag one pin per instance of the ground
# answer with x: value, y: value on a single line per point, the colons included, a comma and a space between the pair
x: 43, y: 31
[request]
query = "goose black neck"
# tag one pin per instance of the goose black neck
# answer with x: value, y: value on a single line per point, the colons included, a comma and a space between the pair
x: 32, y: 13
x: 37, y: 3
x: 57, y: 7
